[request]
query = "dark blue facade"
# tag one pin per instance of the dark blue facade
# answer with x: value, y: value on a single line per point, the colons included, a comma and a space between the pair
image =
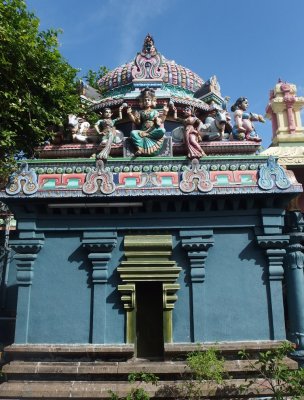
x: 235, y: 300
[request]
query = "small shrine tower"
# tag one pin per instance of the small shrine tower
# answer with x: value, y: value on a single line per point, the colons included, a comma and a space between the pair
x: 284, y: 111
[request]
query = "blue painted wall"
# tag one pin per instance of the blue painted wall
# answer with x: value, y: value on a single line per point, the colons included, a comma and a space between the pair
x: 235, y: 293
x: 236, y: 303
x: 236, y: 296
x: 61, y: 294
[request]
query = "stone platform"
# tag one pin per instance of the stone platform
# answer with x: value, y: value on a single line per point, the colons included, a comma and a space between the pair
x: 92, y: 372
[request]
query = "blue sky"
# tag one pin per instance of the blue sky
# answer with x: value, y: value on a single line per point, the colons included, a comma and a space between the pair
x: 247, y: 44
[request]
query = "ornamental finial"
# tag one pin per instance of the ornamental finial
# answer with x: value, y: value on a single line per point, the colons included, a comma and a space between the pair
x: 148, y: 46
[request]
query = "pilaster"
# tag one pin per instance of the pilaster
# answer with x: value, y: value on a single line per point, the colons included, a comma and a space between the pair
x: 128, y: 297
x: 294, y: 263
x: 274, y: 246
x: 26, y: 248
x: 99, y: 246
x: 169, y: 299
x: 197, y: 243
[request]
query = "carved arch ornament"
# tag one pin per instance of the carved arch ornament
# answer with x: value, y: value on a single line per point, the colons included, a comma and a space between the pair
x: 273, y: 174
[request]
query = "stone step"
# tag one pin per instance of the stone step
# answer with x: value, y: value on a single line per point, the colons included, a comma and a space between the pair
x: 116, y: 370
x: 101, y: 390
x: 91, y: 371
x: 75, y: 352
x: 124, y: 352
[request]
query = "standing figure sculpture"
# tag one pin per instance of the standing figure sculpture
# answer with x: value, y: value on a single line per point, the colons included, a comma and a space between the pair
x: 244, y: 128
x: 149, y: 139
x: 109, y: 135
x: 191, y: 133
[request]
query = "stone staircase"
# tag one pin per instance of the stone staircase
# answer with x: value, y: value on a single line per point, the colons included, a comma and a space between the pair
x: 93, y: 372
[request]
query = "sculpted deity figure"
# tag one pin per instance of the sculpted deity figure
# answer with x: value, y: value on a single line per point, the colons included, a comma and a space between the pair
x: 243, y: 127
x: 149, y: 139
x: 106, y: 129
x: 191, y: 133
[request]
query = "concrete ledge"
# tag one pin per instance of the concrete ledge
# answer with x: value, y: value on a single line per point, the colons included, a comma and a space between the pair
x: 104, y: 369
x: 33, y: 351
x: 126, y: 351
x: 176, y: 350
x: 101, y: 390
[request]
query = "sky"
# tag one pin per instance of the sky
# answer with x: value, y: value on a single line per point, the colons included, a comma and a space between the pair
x: 247, y: 44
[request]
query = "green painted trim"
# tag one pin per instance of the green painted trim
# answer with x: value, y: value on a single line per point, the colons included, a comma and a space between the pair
x: 178, y: 91
x: 142, y: 159
x: 167, y: 326
x: 131, y: 326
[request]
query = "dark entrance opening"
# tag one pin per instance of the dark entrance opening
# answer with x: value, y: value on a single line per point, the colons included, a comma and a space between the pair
x: 149, y: 320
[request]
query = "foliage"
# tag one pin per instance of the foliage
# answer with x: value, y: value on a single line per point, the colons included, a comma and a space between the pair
x: 206, y: 365
x: 284, y: 383
x: 92, y: 77
x: 137, y: 393
x: 37, y: 86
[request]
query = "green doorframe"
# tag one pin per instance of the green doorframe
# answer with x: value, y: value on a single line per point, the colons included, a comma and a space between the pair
x: 148, y: 260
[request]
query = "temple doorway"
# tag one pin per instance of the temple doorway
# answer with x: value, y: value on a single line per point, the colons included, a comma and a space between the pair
x: 149, y: 320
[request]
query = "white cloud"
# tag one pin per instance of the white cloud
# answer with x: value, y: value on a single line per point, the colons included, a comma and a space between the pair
x: 135, y: 15
x: 129, y: 19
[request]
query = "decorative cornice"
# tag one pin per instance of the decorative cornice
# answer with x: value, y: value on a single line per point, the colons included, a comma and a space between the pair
x: 286, y: 151
x: 148, y: 259
x: 197, y: 243
x: 195, y: 178
x: 95, y: 245
x: 202, y: 240
x: 271, y: 175
x: 275, y: 251
x: 99, y: 246
x: 99, y: 179
x: 222, y: 176
x: 127, y: 295
x: 169, y: 295
x: 273, y: 241
x: 27, y: 246
x: 289, y: 155
x: 24, y: 180
x: 26, y: 254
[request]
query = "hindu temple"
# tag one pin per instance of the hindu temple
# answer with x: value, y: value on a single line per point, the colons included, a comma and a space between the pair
x: 161, y: 226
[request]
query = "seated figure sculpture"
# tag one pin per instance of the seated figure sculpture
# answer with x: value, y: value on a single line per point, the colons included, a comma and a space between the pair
x: 109, y: 135
x: 191, y: 133
x: 243, y: 128
x: 149, y: 139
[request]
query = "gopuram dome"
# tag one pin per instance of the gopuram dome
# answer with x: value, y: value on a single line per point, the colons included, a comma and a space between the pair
x: 151, y: 69
x: 170, y: 73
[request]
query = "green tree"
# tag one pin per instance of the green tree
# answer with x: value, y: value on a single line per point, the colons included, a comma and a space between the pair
x: 37, y: 85
x: 92, y: 77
